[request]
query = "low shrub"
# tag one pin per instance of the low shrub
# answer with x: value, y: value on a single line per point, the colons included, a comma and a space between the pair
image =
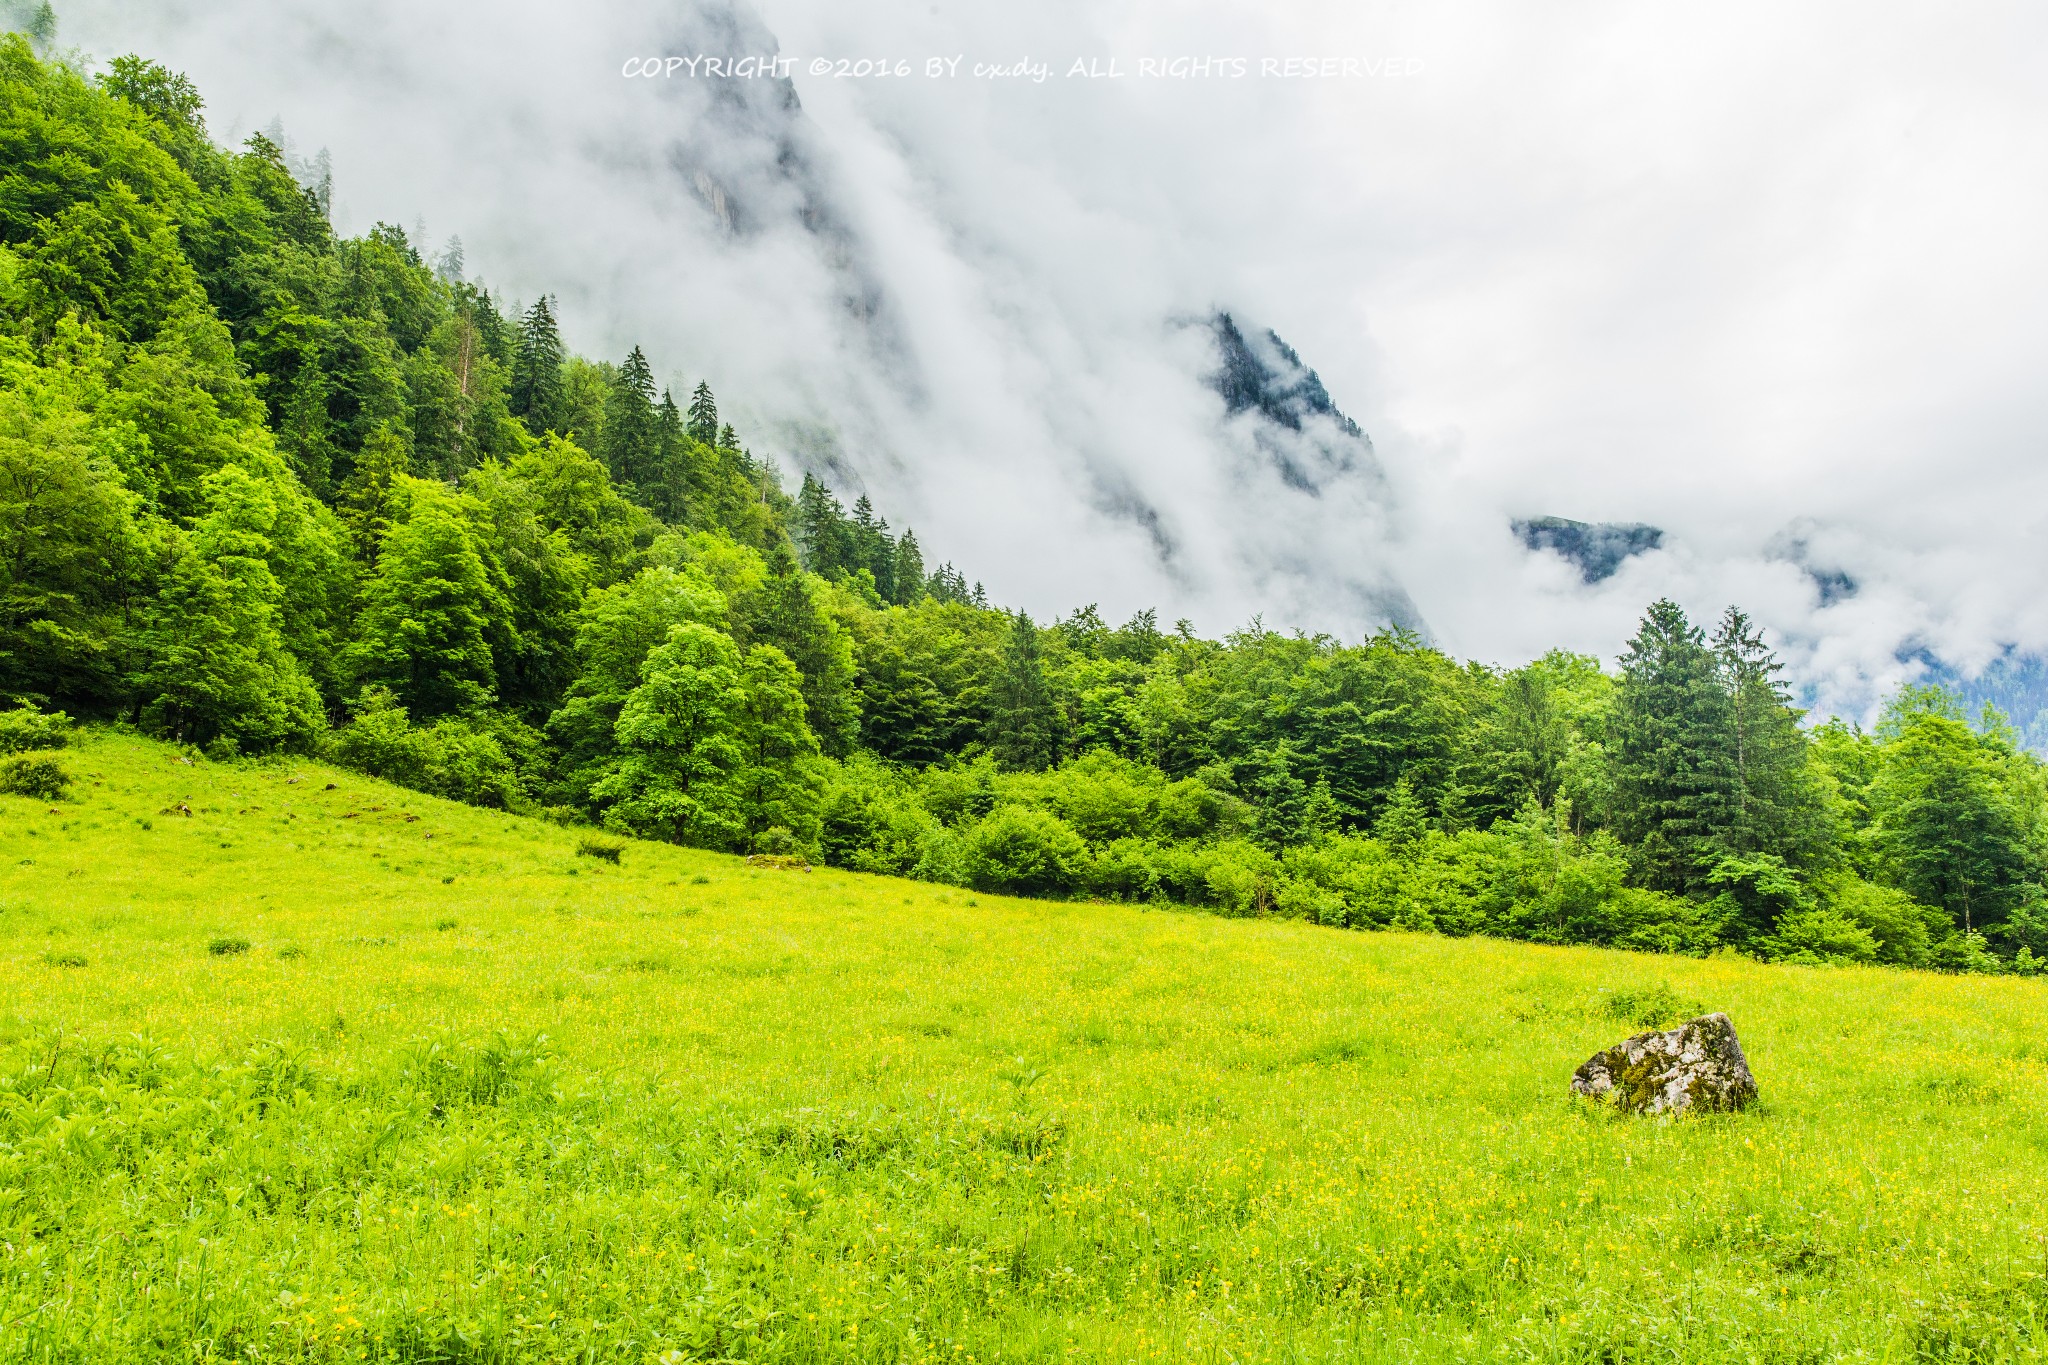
x: 452, y: 757
x: 1817, y: 935
x: 228, y: 946
x: 37, y: 775
x: 27, y: 728
x: 872, y: 822
x: 606, y: 850
x: 1019, y: 851
x: 778, y: 841
x: 1902, y: 930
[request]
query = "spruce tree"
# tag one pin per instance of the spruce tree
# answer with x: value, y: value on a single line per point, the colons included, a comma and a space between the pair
x: 1780, y: 808
x: 536, y: 388
x: 365, y: 504
x: 1022, y: 727
x: 667, y: 494
x: 1404, y: 820
x: 1675, y: 773
x: 822, y: 533
x: 703, y: 415
x: 1953, y: 821
x: 787, y: 613
x: 1280, y: 799
x: 908, y: 570
x: 303, y: 430
x: 873, y: 547
x: 632, y: 428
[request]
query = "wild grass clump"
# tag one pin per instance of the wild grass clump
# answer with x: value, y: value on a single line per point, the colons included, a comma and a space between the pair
x: 227, y: 946
x: 606, y: 850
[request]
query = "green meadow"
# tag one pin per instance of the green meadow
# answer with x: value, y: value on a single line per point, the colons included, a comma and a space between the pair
x: 300, y: 1071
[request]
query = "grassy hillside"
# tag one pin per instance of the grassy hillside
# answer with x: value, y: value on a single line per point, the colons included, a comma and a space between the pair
x: 466, y: 1095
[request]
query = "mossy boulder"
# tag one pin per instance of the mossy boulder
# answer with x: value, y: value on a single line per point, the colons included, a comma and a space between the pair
x: 1697, y: 1066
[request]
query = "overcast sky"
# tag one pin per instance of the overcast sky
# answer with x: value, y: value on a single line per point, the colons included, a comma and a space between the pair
x: 1766, y: 275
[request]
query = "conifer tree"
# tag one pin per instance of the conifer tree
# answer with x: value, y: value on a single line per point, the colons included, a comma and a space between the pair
x: 303, y: 431
x: 1952, y: 821
x: 873, y: 548
x: 365, y: 502
x: 908, y: 570
x: 1404, y: 820
x: 536, y: 389
x: 1280, y: 799
x: 668, y: 492
x: 948, y: 584
x: 1022, y: 733
x: 822, y: 533
x: 1780, y: 809
x: 703, y: 415
x: 788, y: 615
x: 1674, y: 768
x: 632, y: 428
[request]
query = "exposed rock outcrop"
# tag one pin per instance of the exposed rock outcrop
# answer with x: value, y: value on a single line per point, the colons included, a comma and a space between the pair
x: 1696, y: 1066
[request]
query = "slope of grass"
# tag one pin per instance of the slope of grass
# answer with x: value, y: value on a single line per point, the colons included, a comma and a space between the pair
x: 465, y: 1095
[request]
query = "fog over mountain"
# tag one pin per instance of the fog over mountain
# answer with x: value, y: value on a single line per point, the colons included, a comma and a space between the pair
x: 1763, y: 279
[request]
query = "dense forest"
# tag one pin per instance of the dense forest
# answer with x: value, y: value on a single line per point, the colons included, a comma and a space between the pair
x: 266, y: 490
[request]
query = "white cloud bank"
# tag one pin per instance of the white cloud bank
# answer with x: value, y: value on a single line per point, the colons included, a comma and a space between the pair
x: 1766, y: 275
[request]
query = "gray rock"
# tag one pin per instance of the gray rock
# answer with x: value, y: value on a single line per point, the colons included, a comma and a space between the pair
x: 1696, y: 1066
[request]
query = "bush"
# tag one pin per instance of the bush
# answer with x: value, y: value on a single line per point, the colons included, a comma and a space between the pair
x: 1656, y: 1006
x: 452, y: 757
x: 1123, y: 871
x: 1101, y: 797
x: 778, y: 841
x: 961, y: 793
x: 1963, y: 953
x: 1816, y: 935
x: 27, y: 728
x: 1024, y: 852
x: 1240, y: 877
x: 1307, y: 901
x: 39, y: 776
x: 873, y: 822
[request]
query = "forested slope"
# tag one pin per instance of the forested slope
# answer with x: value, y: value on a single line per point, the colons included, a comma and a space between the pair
x: 264, y: 488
